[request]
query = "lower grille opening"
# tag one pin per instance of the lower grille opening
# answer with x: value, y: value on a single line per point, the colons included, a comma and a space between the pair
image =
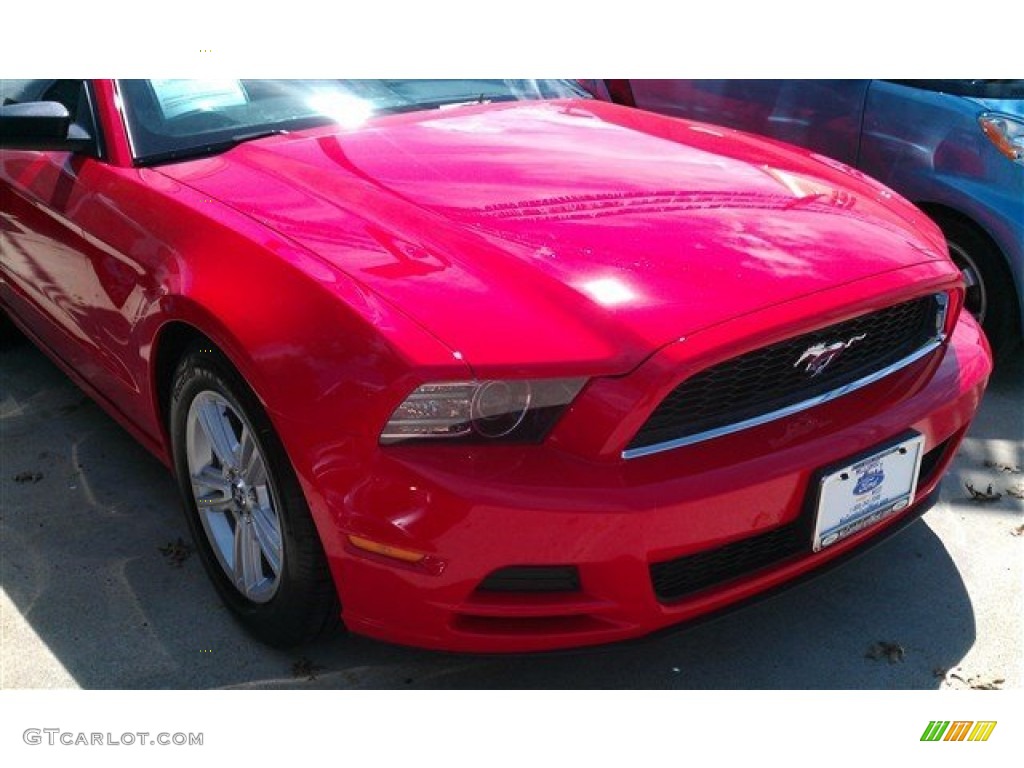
x: 930, y: 463
x: 683, y: 576
x: 675, y: 578
x: 533, y: 578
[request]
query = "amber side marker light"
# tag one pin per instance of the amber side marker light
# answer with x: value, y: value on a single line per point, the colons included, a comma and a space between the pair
x: 385, y: 550
x: 1006, y: 132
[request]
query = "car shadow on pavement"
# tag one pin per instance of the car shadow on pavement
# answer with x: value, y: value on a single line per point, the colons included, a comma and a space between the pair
x: 992, y: 455
x: 107, y: 594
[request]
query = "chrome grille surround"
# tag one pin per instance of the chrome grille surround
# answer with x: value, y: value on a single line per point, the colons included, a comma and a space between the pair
x: 932, y: 337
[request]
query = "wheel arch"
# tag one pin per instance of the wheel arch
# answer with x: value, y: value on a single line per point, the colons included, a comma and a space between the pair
x: 942, y: 214
x: 172, y: 340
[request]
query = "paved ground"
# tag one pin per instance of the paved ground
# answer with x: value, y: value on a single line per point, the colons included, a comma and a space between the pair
x: 94, y: 597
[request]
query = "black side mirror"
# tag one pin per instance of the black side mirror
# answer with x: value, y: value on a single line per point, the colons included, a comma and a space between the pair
x: 41, y: 125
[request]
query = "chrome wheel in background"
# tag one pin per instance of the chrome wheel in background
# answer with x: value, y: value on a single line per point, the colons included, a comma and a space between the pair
x: 990, y: 292
x: 976, y: 296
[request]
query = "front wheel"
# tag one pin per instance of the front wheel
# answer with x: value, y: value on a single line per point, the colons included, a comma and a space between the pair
x: 246, y: 511
x: 990, y: 296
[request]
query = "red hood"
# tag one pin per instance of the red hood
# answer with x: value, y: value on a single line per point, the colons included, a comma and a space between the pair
x: 572, y: 231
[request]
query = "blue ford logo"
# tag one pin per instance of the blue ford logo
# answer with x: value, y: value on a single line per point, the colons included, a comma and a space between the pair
x: 870, y: 480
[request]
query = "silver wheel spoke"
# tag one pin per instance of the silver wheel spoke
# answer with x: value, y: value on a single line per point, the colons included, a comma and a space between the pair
x: 254, y: 472
x: 213, y: 502
x: 264, y: 525
x: 248, y: 570
x: 211, y: 479
x: 211, y: 490
x: 246, y: 453
x: 218, y: 431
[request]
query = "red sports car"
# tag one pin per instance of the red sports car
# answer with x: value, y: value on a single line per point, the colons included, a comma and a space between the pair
x: 485, y: 365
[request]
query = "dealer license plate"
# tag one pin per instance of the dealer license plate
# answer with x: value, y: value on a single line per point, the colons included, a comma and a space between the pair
x: 867, y: 491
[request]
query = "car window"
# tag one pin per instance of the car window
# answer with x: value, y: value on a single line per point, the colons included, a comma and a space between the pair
x: 168, y: 119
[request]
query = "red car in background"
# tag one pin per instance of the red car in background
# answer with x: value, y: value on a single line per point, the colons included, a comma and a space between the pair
x: 485, y: 365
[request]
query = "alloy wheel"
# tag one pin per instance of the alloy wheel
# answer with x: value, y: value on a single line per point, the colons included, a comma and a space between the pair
x: 234, y: 496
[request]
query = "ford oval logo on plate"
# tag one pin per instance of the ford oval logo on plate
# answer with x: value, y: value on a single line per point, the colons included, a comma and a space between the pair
x: 873, y: 477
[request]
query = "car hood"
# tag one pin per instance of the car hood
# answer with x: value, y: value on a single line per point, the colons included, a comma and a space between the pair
x: 1013, y: 107
x: 567, y: 231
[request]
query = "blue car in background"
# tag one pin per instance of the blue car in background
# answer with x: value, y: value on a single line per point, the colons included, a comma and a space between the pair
x: 955, y: 148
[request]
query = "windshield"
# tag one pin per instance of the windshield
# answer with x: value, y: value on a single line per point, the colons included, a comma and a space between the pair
x: 175, y: 119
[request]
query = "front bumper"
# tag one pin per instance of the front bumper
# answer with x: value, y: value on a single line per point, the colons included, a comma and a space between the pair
x: 476, y: 511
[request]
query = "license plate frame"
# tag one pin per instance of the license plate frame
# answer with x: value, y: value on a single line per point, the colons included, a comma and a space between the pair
x: 866, y: 490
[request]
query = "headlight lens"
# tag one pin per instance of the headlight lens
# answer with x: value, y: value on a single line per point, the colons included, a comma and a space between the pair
x: 1006, y: 132
x: 513, y: 410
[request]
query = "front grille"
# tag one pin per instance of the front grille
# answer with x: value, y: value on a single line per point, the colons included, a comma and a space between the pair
x: 770, y: 380
x: 674, y: 579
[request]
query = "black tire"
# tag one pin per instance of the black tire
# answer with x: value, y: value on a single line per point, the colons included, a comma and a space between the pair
x: 990, y: 294
x: 298, y: 601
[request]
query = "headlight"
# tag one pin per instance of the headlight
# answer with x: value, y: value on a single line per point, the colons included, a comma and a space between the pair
x: 513, y: 410
x: 1006, y: 132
